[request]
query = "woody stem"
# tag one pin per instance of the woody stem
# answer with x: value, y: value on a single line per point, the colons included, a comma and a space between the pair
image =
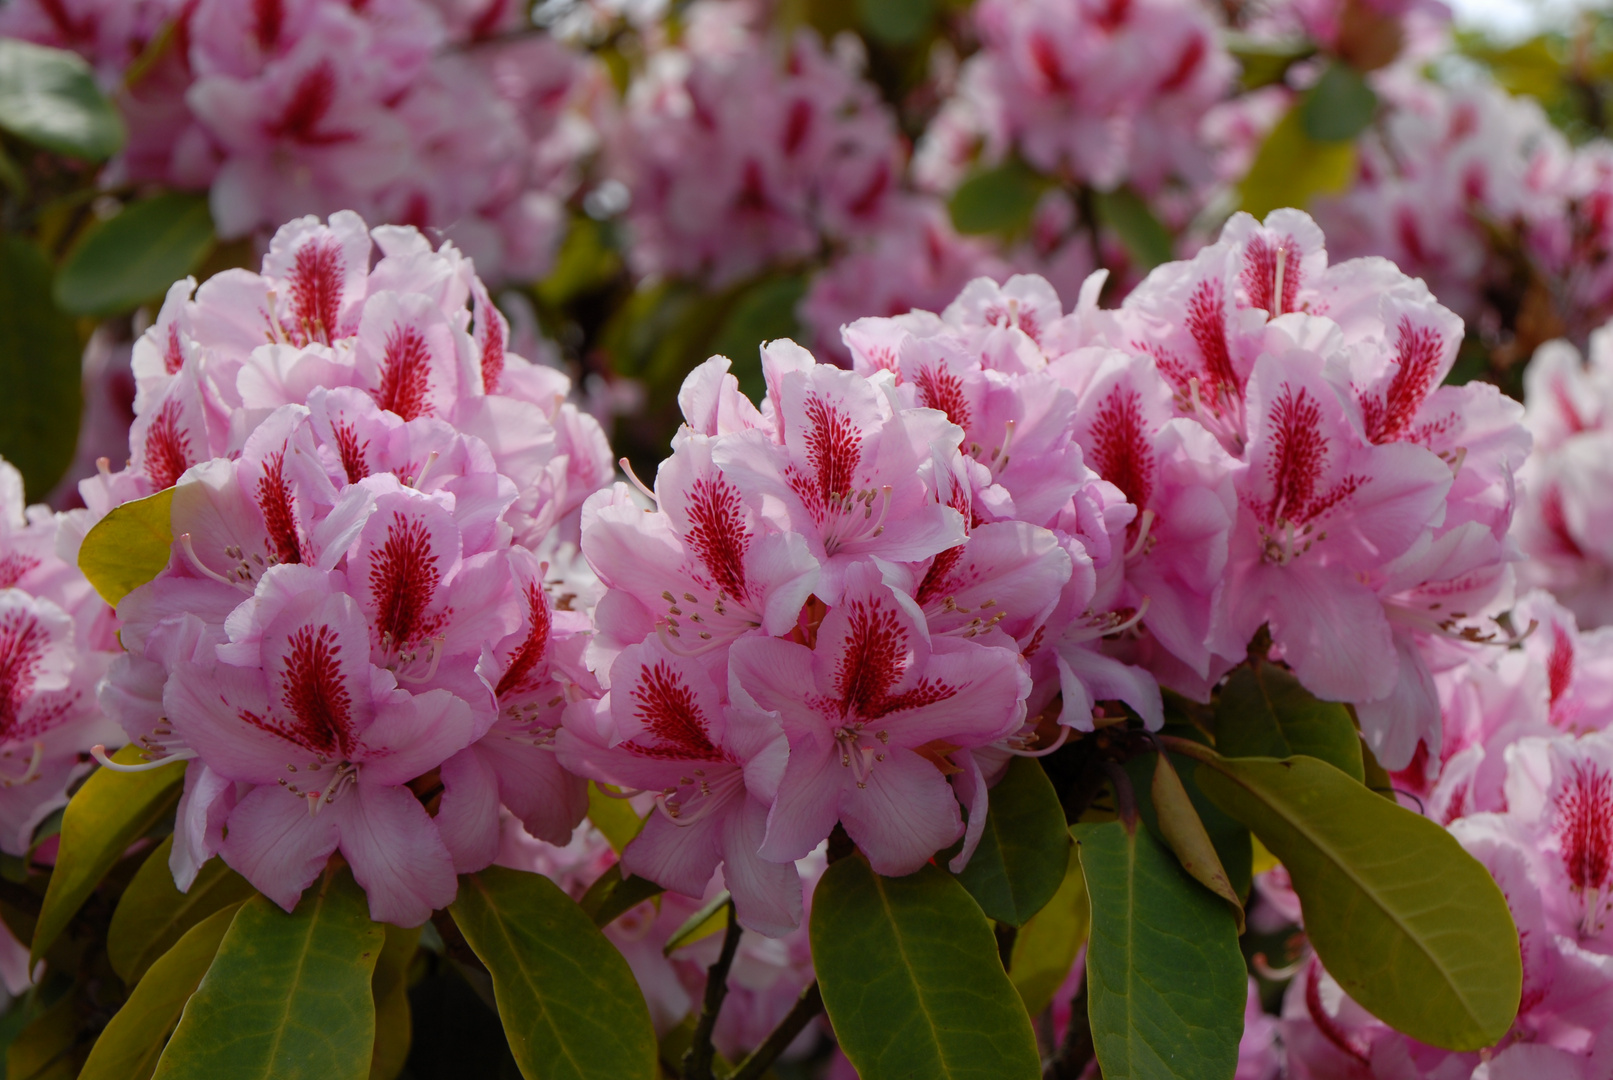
x: 697, y: 1059
x: 807, y: 1006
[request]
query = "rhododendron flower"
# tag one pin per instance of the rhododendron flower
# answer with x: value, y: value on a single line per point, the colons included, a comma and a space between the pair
x: 56, y: 639
x: 871, y: 711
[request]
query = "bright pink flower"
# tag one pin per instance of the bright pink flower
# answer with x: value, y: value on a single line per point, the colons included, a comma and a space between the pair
x: 669, y: 725
x: 871, y: 711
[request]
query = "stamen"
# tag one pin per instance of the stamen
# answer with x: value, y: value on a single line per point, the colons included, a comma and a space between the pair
x: 98, y: 752
x: 195, y: 560
x: 1145, y: 523
x: 633, y: 476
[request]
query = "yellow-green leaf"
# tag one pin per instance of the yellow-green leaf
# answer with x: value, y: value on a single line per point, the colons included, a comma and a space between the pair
x: 131, y: 1043
x: 1291, y: 168
x: 1411, y: 925
x: 106, y: 815
x: 570, y: 1006
x: 1184, y: 833
x: 152, y: 914
x: 287, y: 997
x: 129, y: 546
x: 1045, y: 947
x: 613, y: 816
x: 390, y: 985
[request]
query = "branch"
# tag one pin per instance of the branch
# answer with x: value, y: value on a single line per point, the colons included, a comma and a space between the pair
x: 697, y: 1059
x: 807, y: 1006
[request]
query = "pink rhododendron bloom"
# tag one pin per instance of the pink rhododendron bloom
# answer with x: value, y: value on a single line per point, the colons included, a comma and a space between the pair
x: 56, y: 639
x: 1105, y: 93
x: 738, y: 156
x: 871, y: 710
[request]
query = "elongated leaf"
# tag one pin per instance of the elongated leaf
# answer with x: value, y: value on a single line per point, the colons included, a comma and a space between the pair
x: 1025, y: 847
x: 1165, y: 979
x: 129, y: 1046
x: 106, y: 815
x: 912, y: 981
x: 129, y: 546
x: 136, y: 255
x: 711, y: 918
x: 570, y: 1006
x: 1231, y: 839
x: 48, y: 97
x: 999, y: 199
x: 44, y: 1048
x: 1411, y: 926
x: 39, y: 366
x: 612, y: 896
x: 152, y: 914
x: 1291, y: 168
x: 1045, y: 947
x: 1339, y: 106
x: 1185, y: 835
x: 288, y: 996
x: 390, y: 985
x: 1263, y: 711
x: 896, y: 22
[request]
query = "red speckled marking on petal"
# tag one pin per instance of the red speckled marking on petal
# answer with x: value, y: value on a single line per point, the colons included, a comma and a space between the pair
x: 940, y: 389
x: 1298, y: 459
x: 22, y: 648
x: 717, y: 532
x: 1417, y: 353
x: 274, y: 500
x: 1259, y: 274
x: 167, y: 447
x: 15, y: 566
x: 1120, y: 447
x: 404, y: 577
x: 351, y: 451
x: 314, y: 292
x: 1584, y: 825
x: 668, y: 709
x: 526, y: 657
x: 1560, y: 663
x: 319, y: 710
x: 405, y: 373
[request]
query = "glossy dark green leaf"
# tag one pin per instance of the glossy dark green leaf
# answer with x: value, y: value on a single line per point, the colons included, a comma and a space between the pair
x: 288, y: 996
x: 152, y: 914
x: 912, y: 981
x: 129, y: 546
x: 1263, y: 711
x: 1165, y: 980
x: 45, y: 1047
x: 1024, y: 849
x: 40, y: 368
x: 612, y: 896
x: 1291, y: 168
x: 1411, y: 926
x: 1147, y: 241
x: 896, y: 22
x: 1339, y: 106
x: 48, y: 97
x: 390, y: 986
x: 134, y: 256
x: 1045, y: 947
x: 999, y: 199
x: 103, y: 818
x: 130, y: 1044
x: 570, y: 1005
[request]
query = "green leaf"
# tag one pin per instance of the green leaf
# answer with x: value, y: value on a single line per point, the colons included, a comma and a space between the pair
x: 1339, y: 106
x: 1411, y: 926
x: 1165, y: 980
x: 1185, y: 835
x: 999, y: 199
x: 390, y: 987
x: 106, y: 815
x: 1263, y: 711
x: 911, y: 978
x: 896, y: 22
x: 586, y: 262
x: 612, y: 896
x: 44, y: 1048
x: 1024, y: 849
x: 570, y: 1006
x: 1045, y: 947
x: 48, y: 97
x: 1232, y: 841
x: 152, y: 914
x: 1266, y: 61
x: 1147, y: 241
x: 712, y: 917
x: 131, y: 1043
x: 288, y: 996
x: 136, y: 255
x: 40, y: 367
x: 1291, y: 168
x: 614, y: 816
x: 129, y: 546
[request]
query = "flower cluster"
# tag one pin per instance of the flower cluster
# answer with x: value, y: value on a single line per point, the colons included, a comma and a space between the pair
x: 56, y: 639
x: 1526, y: 785
x: 1104, y: 92
x: 361, y: 473
x: 1291, y: 461
x: 285, y: 108
x: 737, y: 157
